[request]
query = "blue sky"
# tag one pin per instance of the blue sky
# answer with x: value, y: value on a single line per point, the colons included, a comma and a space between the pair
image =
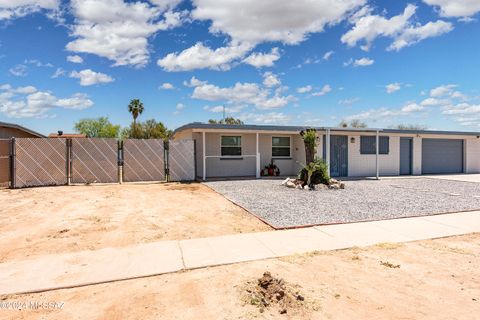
x: 268, y: 62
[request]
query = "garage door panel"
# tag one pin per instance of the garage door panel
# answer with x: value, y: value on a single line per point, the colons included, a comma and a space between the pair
x: 442, y: 156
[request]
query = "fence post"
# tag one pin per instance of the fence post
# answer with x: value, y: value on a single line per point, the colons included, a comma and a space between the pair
x: 12, y: 164
x: 120, y: 161
x: 166, y: 156
x: 195, y: 159
x: 68, y: 143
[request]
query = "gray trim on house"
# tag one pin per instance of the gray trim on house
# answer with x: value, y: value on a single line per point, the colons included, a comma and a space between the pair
x: 19, y: 127
x: 251, y: 127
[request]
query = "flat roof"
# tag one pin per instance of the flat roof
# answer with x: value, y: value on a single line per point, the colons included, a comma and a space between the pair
x: 254, y: 127
x: 19, y: 127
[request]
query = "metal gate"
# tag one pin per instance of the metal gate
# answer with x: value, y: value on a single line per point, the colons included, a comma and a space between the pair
x: 4, y: 162
x: 181, y: 160
x: 143, y: 160
x: 39, y: 162
x: 94, y: 160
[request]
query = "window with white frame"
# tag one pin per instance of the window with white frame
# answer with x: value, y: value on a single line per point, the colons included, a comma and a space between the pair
x: 231, y: 146
x: 281, y: 147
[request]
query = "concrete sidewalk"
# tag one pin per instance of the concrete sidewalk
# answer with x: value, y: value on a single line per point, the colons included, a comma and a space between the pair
x: 68, y: 270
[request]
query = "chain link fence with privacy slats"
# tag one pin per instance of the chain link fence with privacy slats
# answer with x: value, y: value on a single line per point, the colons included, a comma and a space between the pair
x: 5, y: 163
x: 94, y: 160
x: 39, y: 162
x: 181, y: 160
x: 143, y: 160
x: 31, y: 162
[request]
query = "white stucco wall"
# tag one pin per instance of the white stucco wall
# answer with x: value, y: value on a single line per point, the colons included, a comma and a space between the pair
x: 365, y: 165
x: 472, y: 155
x: 417, y: 156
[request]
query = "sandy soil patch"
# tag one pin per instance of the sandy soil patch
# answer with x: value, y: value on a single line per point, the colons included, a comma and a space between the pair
x: 434, y: 279
x: 47, y: 220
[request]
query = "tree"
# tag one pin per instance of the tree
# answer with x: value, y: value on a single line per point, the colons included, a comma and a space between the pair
x: 309, y: 137
x: 227, y: 120
x: 135, y: 107
x: 354, y: 123
x: 97, y: 128
x: 150, y: 129
x: 410, y: 127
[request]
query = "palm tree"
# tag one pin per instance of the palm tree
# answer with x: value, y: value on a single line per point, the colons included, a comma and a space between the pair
x: 135, y: 108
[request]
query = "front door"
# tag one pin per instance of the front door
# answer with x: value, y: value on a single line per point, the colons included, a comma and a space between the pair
x: 338, y: 155
x: 405, y: 156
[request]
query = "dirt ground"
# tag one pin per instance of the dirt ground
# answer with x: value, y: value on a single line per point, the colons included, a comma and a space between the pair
x: 433, y: 279
x: 46, y: 220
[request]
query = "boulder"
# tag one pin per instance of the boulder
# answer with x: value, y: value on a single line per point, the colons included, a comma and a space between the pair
x: 290, y: 184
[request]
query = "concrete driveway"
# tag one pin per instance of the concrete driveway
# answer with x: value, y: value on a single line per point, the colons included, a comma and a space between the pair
x: 457, y: 177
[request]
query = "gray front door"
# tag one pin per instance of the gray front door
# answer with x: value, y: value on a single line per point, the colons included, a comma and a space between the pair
x: 338, y: 155
x: 442, y: 156
x: 405, y: 156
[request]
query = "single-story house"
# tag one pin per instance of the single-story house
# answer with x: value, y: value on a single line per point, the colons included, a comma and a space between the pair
x: 243, y: 150
x: 11, y: 130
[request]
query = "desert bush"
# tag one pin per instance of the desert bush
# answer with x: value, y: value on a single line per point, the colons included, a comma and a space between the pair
x: 315, y: 172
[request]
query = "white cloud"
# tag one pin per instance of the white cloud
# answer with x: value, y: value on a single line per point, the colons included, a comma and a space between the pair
x: 305, y: 89
x: 178, y: 108
x: 58, y: 73
x: 363, y: 62
x: 456, y: 8
x: 230, y: 109
x: 270, y: 80
x: 287, y: 21
x: 28, y: 102
x: 412, y: 107
x: 11, y: 9
x: 266, y: 118
x: 430, y: 102
x: 242, y: 93
x: 348, y: 102
x: 259, y: 60
x: 325, y: 89
x: 392, y: 87
x: 37, y: 63
x: 462, y: 108
x: 118, y: 30
x: 328, y: 54
x: 368, y: 27
x: 413, y: 35
x: 20, y: 70
x: 442, y: 90
x: 75, y: 59
x: 193, y: 82
x: 89, y: 77
x: 166, y: 86
x: 201, y: 57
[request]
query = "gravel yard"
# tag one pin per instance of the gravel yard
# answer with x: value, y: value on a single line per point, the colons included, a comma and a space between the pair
x: 361, y: 200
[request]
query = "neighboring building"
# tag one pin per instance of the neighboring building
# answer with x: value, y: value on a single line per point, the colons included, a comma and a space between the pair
x: 243, y: 150
x: 60, y: 134
x: 11, y: 130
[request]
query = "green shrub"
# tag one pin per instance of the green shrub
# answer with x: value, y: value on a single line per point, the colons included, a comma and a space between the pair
x: 318, y: 171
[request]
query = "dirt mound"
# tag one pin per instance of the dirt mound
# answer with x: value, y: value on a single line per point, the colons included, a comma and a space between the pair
x: 271, y: 292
